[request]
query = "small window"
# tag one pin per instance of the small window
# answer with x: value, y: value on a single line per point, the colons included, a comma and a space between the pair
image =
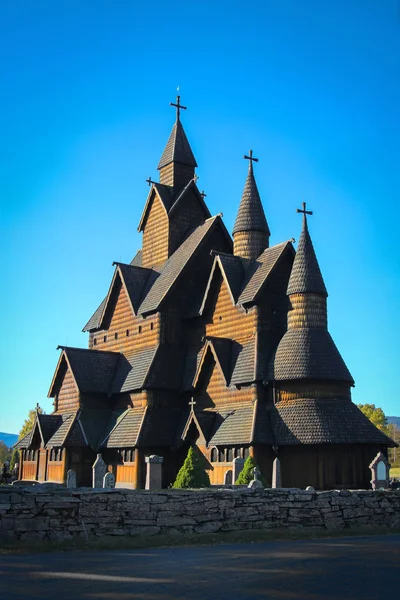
x: 151, y: 326
x: 105, y: 338
x: 127, y: 333
x: 246, y: 453
x: 229, y: 454
x: 94, y: 341
x: 61, y: 454
x: 236, y: 452
x: 214, y: 455
x: 116, y: 335
x: 220, y: 318
x: 140, y: 329
x: 221, y: 455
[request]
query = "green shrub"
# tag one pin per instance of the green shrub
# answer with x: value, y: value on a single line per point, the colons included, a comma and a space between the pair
x: 192, y: 473
x: 247, y: 473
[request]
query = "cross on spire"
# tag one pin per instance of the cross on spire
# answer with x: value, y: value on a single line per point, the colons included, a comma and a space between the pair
x: 203, y: 194
x: 149, y: 181
x: 304, y: 212
x: 250, y: 158
x: 178, y: 106
x: 192, y: 403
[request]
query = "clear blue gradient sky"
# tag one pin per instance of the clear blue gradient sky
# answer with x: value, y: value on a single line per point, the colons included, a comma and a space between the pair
x: 312, y: 87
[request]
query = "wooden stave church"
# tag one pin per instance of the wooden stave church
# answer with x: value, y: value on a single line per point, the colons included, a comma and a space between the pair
x: 208, y: 342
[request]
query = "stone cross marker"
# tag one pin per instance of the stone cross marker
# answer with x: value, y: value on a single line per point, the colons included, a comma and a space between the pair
x: 256, y: 484
x: 71, y: 479
x: 237, y: 468
x: 379, y: 472
x: 99, y: 469
x: 276, y: 473
x: 109, y: 480
x: 154, y: 472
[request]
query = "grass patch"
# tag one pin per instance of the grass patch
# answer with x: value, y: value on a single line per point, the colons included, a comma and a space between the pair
x: 395, y: 472
x: 206, y: 539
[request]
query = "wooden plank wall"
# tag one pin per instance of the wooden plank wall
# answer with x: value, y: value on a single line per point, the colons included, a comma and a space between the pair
x: 127, y: 332
x: 29, y: 470
x: 155, y: 235
x: 228, y: 320
x: 68, y: 396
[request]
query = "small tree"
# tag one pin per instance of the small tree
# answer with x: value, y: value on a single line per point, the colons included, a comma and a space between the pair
x: 375, y: 415
x: 14, y: 458
x: 192, y: 473
x: 29, y: 422
x: 247, y: 473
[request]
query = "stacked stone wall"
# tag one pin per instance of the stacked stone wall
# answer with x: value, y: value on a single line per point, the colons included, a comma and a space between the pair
x: 56, y: 513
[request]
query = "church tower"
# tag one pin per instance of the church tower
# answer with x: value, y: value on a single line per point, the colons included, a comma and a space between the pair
x: 177, y: 163
x: 307, y: 356
x: 251, y: 232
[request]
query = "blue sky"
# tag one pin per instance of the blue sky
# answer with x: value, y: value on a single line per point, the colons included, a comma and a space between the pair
x: 312, y: 87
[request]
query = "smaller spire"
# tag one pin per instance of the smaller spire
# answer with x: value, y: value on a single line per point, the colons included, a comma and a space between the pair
x: 178, y: 149
x: 251, y: 216
x: 306, y: 275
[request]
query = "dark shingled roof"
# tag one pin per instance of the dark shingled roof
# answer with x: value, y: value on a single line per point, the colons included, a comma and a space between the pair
x: 167, y: 368
x: 192, y: 361
x: 76, y: 437
x: 135, y: 279
x: 132, y: 370
x: 233, y: 426
x: 307, y: 353
x: 159, y: 427
x: 251, y: 216
x: 190, y: 187
x: 58, y: 438
x: 48, y: 425
x: 93, y: 370
x: 126, y: 431
x: 175, y: 265
x: 244, y: 363
x: 324, y: 421
x: 260, y: 270
x: 23, y: 442
x: 234, y: 269
x: 177, y: 148
x: 137, y: 259
x: 94, y: 321
x: 306, y: 275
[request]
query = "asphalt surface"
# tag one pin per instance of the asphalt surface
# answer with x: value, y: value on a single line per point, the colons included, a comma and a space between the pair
x: 366, y: 568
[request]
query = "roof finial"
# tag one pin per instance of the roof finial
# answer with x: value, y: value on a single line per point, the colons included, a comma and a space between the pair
x: 251, y: 159
x: 304, y: 213
x: 191, y: 404
x: 178, y: 106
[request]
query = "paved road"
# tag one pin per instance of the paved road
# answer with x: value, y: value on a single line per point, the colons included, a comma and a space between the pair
x: 365, y: 568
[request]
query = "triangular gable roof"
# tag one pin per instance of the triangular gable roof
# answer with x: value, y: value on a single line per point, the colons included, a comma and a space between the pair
x: 177, y: 262
x: 92, y: 370
x: 178, y: 148
x: 233, y: 425
x: 261, y: 269
x: 58, y: 438
x: 191, y: 186
x: 232, y: 270
x: 95, y: 319
x: 204, y: 422
x: 221, y: 350
x: 23, y: 442
x: 164, y: 194
x: 133, y: 280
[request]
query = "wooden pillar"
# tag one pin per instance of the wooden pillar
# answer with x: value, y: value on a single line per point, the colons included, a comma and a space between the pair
x: 137, y: 471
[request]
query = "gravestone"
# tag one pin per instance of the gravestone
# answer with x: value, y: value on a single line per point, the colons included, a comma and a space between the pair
x: 379, y: 472
x: 154, y: 472
x: 256, y: 484
x: 276, y: 473
x: 109, y: 480
x: 237, y: 468
x: 99, y: 469
x: 71, y: 479
x: 228, y: 477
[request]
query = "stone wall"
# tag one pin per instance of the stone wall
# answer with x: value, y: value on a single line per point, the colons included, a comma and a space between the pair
x: 56, y: 513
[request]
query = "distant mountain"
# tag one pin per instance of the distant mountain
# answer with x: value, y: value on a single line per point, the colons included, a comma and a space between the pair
x: 394, y: 421
x: 8, y: 438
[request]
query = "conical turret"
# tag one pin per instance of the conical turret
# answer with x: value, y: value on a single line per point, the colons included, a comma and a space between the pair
x: 251, y: 232
x: 177, y: 163
x: 307, y: 351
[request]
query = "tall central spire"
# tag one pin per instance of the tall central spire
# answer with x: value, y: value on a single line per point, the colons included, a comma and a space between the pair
x: 177, y: 163
x: 251, y: 232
